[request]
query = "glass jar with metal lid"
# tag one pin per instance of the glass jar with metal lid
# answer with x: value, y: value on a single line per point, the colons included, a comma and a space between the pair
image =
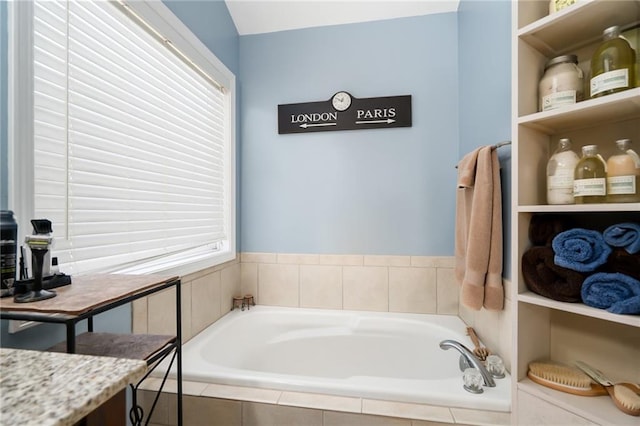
x: 562, y: 83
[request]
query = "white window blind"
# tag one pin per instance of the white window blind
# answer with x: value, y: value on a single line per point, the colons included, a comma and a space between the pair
x: 131, y: 148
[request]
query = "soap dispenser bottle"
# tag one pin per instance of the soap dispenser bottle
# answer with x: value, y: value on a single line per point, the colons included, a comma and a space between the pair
x: 560, y: 169
x: 590, y: 177
x: 623, y: 174
x: 612, y: 65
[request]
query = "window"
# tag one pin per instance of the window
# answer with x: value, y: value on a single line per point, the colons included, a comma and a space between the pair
x: 130, y: 151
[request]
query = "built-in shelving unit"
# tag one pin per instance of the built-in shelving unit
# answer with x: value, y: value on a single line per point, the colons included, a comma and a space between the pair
x: 548, y: 329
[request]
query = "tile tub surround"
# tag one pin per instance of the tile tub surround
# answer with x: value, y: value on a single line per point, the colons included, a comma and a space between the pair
x: 409, y: 284
x: 223, y: 405
x: 206, y: 297
x: 66, y: 387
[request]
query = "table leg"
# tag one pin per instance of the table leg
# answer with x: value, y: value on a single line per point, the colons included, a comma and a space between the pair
x: 71, y: 337
x: 179, y: 349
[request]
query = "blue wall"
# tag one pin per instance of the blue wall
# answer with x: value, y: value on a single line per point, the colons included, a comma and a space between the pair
x: 387, y: 191
x: 211, y: 22
x: 484, y: 52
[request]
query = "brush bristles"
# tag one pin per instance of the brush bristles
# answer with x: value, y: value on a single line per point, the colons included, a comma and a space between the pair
x: 627, y: 397
x: 561, y: 374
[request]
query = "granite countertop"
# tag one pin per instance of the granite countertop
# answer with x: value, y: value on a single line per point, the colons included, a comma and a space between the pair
x: 51, y: 388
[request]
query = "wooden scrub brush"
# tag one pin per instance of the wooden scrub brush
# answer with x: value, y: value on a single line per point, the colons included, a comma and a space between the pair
x: 563, y: 378
x: 624, y: 395
x: 479, y: 351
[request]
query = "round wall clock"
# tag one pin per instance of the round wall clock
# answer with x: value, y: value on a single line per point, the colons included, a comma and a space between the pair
x: 341, y: 101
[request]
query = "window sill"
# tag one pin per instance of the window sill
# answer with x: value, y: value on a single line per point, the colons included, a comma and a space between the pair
x: 182, y: 264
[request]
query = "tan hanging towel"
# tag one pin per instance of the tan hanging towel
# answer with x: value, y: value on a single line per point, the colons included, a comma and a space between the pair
x: 478, y: 244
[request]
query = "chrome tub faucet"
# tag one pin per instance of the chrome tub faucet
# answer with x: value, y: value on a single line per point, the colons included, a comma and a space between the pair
x: 470, y: 359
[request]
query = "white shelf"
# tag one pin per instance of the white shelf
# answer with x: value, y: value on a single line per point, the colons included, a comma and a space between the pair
x: 547, y: 328
x: 579, y: 308
x: 581, y: 208
x: 617, y: 107
x: 598, y: 409
x: 578, y: 25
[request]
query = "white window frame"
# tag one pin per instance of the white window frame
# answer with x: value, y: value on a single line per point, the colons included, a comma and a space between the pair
x: 20, y: 125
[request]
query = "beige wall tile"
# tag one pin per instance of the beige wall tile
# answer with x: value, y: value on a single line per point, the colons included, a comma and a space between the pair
x: 423, y: 261
x: 412, y: 290
x: 255, y: 414
x: 230, y: 286
x: 188, y: 388
x: 445, y: 261
x: 505, y: 339
x: 322, y: 402
x: 278, y: 285
x: 481, y: 417
x: 347, y: 419
x: 412, y: 411
x: 365, y: 288
x: 171, y: 386
x: 387, y: 260
x: 321, y: 286
x: 198, y: 411
x: 139, y: 314
x: 205, y: 301
x: 224, y: 265
x: 151, y: 383
x: 487, y: 327
x: 448, y: 291
x: 162, y: 312
x: 299, y: 259
x: 433, y: 261
x: 162, y: 410
x: 241, y: 393
x: 185, y: 298
x: 259, y: 257
x: 467, y: 315
x: 249, y: 279
x: 342, y: 259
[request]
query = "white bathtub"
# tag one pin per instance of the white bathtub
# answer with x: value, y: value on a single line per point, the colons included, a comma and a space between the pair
x: 388, y: 356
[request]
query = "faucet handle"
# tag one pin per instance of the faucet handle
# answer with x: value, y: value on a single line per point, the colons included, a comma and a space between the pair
x: 473, y: 380
x: 495, y: 366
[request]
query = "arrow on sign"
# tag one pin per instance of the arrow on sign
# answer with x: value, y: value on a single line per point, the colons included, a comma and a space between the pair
x: 305, y: 125
x: 387, y: 121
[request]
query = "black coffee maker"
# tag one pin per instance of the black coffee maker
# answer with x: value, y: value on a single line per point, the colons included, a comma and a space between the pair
x: 39, y: 243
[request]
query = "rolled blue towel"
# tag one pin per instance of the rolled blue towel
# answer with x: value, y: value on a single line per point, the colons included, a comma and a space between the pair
x: 615, y: 292
x: 625, y: 235
x: 581, y: 250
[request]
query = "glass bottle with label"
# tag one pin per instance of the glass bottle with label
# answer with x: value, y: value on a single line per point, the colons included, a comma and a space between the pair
x: 590, y: 177
x: 612, y: 65
x: 557, y: 5
x: 560, y: 169
x: 562, y: 83
x: 623, y: 174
